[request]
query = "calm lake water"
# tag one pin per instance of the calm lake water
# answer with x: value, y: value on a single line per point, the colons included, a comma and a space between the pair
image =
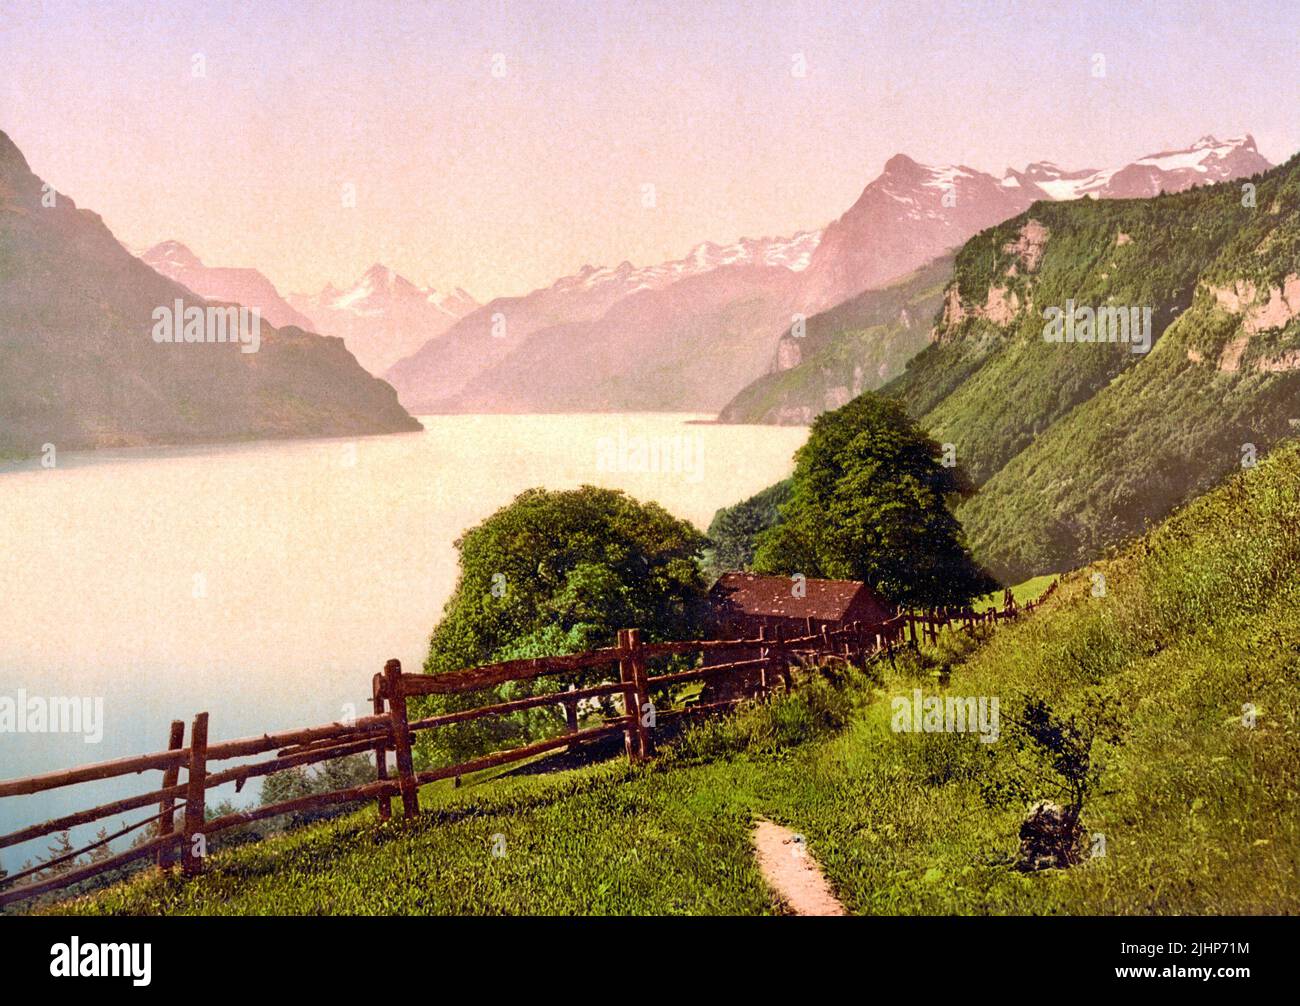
x: 265, y: 583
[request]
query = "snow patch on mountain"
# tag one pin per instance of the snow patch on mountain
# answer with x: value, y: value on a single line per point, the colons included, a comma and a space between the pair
x: 1207, y: 160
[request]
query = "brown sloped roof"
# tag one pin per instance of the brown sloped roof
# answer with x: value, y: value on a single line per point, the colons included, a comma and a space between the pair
x: 738, y: 594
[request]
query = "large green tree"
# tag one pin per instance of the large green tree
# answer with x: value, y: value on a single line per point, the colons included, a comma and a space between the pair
x: 870, y: 501
x: 555, y: 573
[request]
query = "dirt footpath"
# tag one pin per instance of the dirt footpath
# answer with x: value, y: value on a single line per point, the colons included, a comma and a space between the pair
x: 791, y: 872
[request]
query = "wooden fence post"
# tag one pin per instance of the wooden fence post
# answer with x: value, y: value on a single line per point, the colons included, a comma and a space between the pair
x: 783, y: 658
x: 195, y: 785
x: 644, y: 742
x: 628, y: 677
x: 764, y: 654
x: 167, y: 806
x: 385, y: 801
x: 401, y: 738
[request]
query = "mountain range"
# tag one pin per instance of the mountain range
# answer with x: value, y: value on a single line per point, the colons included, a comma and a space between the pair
x: 913, y: 215
x: 668, y: 336
x: 470, y: 367
x: 707, y: 332
x: 80, y: 366
x: 1075, y: 444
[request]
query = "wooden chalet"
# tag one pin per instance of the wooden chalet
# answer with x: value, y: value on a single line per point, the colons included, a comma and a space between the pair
x: 740, y: 604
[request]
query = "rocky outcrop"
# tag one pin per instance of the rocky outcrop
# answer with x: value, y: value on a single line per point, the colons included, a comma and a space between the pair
x: 1001, y: 305
x: 1029, y: 245
x: 1281, y: 363
x: 1278, y: 306
x: 1243, y: 298
x: 788, y: 354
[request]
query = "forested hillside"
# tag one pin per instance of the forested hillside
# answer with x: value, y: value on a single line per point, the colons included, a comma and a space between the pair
x: 1078, y: 444
x: 854, y: 347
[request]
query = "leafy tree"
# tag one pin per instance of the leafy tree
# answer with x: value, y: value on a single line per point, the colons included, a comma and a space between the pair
x: 62, y: 846
x: 870, y: 501
x: 734, y: 530
x: 555, y: 573
x: 304, y: 780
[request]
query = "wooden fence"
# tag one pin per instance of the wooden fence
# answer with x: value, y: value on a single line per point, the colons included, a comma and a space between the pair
x: 390, y: 729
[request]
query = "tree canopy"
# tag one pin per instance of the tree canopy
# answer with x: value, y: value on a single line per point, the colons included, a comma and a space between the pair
x: 554, y: 573
x: 735, y: 529
x: 870, y: 500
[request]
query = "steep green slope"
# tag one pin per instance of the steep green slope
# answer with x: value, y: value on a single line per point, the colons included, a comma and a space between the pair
x: 1191, y: 635
x: 1079, y: 444
x: 854, y: 347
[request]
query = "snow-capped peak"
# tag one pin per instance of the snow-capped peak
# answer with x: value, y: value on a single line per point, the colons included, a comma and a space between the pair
x: 173, y: 253
x: 380, y: 289
x: 945, y: 176
x: 1200, y: 155
x: 1209, y: 159
x: 358, y: 298
x: 793, y: 253
x: 1244, y: 142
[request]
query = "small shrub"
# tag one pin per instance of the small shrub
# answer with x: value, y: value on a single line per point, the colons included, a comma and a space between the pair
x: 1052, y: 755
x: 766, y: 727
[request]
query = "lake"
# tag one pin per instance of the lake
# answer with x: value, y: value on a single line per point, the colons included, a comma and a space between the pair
x: 267, y: 582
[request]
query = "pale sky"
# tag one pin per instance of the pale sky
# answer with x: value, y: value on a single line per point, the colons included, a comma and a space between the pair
x: 502, y: 184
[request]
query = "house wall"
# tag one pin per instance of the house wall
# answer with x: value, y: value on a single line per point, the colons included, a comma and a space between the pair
x: 867, y: 608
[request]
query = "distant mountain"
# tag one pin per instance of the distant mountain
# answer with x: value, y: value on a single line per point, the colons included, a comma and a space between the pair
x: 908, y: 216
x: 232, y: 286
x: 450, y: 372
x: 913, y: 213
x: 80, y: 367
x: 684, y: 346
x: 1206, y: 161
x: 384, y: 317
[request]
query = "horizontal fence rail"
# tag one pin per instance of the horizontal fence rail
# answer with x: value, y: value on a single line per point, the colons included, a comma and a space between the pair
x: 748, y: 668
